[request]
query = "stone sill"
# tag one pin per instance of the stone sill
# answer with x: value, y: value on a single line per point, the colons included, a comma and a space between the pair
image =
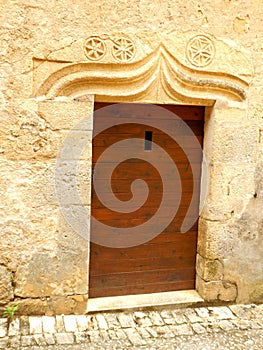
x: 180, y: 298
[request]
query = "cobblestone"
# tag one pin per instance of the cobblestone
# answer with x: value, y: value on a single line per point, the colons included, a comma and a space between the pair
x: 50, y: 339
x: 153, y: 329
x: 104, y: 335
x: 39, y: 339
x: 183, y: 329
x: 156, y: 318
x: 81, y: 337
x: 70, y: 323
x: 142, y: 319
x: 120, y: 334
x: 35, y: 325
x: 240, y: 311
x: 24, y: 324
x: 14, y: 327
x: 134, y: 337
x: 82, y: 323
x: 226, y: 325
x: 60, y: 324
x: 126, y: 321
x: 3, y: 327
x: 65, y: 338
x: 27, y: 340
x: 102, y: 323
x: 48, y: 324
x: 192, y: 315
x: 203, y: 312
x: 221, y: 313
x: 178, y: 317
x: 198, y: 328
x: 14, y: 342
x: 3, y: 343
x: 112, y: 320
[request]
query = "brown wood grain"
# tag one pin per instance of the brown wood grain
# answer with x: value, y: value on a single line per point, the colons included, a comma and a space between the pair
x: 144, y: 288
x: 136, y: 277
x: 148, y: 250
x: 167, y: 261
x: 126, y: 110
x: 144, y: 264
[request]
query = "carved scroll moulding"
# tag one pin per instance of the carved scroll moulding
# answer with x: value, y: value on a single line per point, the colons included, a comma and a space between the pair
x: 178, y: 64
x: 200, y: 51
x: 120, y: 48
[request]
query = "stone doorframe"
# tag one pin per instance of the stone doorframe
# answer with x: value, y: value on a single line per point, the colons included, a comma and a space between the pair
x: 186, y: 68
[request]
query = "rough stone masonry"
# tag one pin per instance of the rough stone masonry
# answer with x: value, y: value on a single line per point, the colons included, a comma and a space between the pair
x: 56, y: 59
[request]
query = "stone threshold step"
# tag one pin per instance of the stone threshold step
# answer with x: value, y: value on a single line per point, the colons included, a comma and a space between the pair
x: 180, y: 298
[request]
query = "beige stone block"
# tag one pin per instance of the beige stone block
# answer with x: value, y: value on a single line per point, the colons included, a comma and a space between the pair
x: 29, y: 234
x: 32, y: 306
x: 40, y: 130
x: 74, y: 145
x: 256, y: 292
x: 52, y: 54
x: 233, y: 143
x: 56, y: 266
x: 245, y: 264
x: 74, y: 225
x: 34, y: 145
x: 54, y: 305
x: 230, y: 187
x: 28, y: 188
x: 228, y: 291
x: 44, y: 276
x: 67, y: 114
x: 229, y: 111
x: 68, y: 305
x: 72, y: 182
x: 30, y: 218
x: 6, y: 288
x: 209, y: 270
x: 43, y: 184
x: 255, y: 113
x: 216, y: 240
x: 216, y: 290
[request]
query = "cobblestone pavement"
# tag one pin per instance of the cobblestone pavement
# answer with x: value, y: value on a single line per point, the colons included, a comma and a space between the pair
x: 202, y: 328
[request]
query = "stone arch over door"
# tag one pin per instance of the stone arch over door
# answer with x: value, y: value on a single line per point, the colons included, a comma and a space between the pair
x: 186, y: 68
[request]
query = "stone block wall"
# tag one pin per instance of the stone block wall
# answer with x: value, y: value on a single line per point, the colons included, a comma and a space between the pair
x: 43, y: 262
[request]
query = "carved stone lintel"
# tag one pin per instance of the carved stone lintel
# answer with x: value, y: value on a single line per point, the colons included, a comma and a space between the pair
x: 182, y: 67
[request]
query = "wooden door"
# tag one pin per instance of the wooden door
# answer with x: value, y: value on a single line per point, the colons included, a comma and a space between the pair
x: 167, y: 262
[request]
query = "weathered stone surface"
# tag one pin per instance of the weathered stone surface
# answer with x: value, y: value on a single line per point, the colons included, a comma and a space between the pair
x: 70, y: 323
x: 49, y: 338
x: 134, y: 337
x: 231, y: 186
x: 14, y: 327
x: 3, y: 327
x: 64, y: 338
x: 6, y: 288
x: 48, y: 324
x: 61, y: 115
x: 36, y: 325
x: 209, y: 270
x: 216, y: 239
x: 216, y: 290
x: 217, y: 320
x: 234, y: 143
x: 48, y: 83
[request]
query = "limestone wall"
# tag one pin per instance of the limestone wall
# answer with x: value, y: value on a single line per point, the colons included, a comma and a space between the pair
x: 43, y: 262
